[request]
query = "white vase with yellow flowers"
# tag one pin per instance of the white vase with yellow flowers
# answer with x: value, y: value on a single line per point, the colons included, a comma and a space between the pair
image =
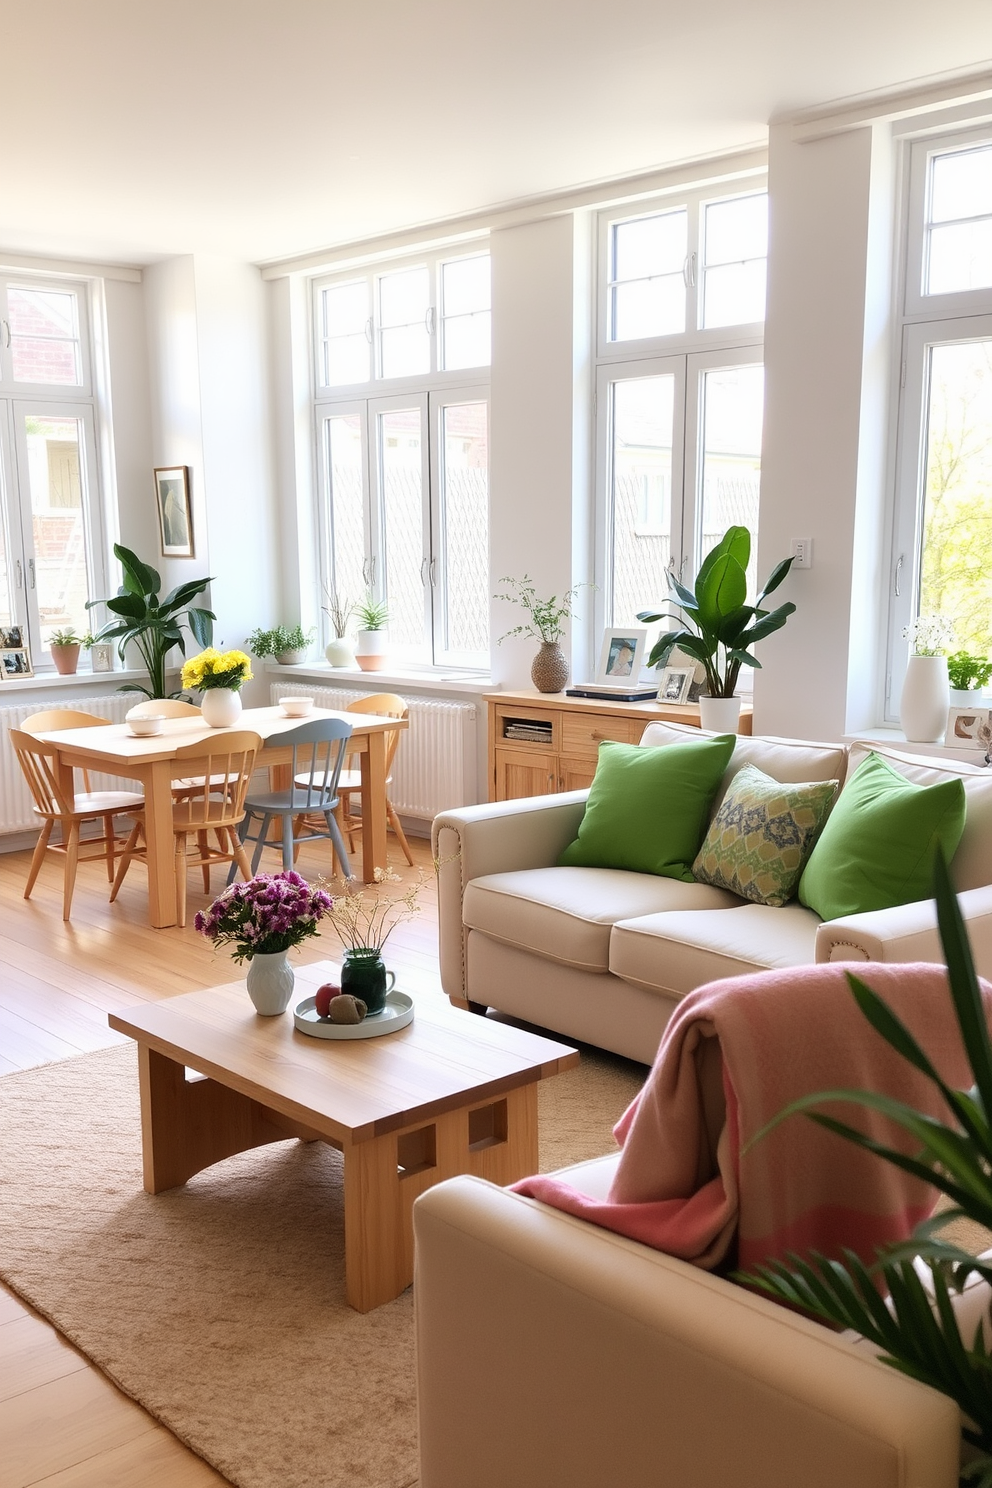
x: 218, y: 675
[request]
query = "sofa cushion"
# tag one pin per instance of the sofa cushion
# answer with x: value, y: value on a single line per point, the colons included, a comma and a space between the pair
x: 677, y: 952
x: 970, y: 864
x: 877, y: 848
x: 647, y: 808
x: 762, y: 834
x: 566, y: 914
x: 791, y: 760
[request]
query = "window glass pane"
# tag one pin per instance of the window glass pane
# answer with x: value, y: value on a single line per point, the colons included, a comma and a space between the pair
x: 44, y: 336
x: 960, y: 257
x: 961, y: 184
x: 732, y: 405
x: 467, y: 341
x: 347, y: 353
x: 346, y: 503
x: 403, y: 297
x: 641, y: 460
x: 734, y: 230
x: 405, y: 352
x: 734, y: 294
x: 348, y: 360
x: 956, y: 566
x: 649, y: 307
x: 465, y: 285
x: 401, y: 459
x: 735, y: 245
x: 465, y: 518
x: 55, y: 475
x: 466, y: 322
x: 650, y: 245
x: 346, y: 308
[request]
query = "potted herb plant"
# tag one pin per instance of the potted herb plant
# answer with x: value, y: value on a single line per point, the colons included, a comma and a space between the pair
x: 154, y: 625
x: 373, y: 617
x: 288, y: 644
x: 339, y: 611
x: 967, y: 675
x: 64, y: 645
x: 724, y: 626
x: 549, y: 670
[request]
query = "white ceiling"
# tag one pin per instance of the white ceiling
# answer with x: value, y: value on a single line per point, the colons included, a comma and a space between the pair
x: 133, y: 130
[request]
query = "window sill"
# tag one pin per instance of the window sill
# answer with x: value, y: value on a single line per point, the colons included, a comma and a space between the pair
x: 452, y: 680
x: 895, y: 739
x: 46, y: 681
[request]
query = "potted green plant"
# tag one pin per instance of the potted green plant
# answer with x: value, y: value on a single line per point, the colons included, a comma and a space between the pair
x: 549, y: 670
x: 288, y: 644
x: 918, y: 1332
x: 373, y: 617
x: 967, y: 676
x: 64, y: 646
x: 724, y: 626
x: 339, y: 611
x: 154, y: 625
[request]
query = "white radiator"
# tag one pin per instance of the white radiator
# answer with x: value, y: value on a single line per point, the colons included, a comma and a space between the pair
x: 435, y: 765
x: 15, y: 799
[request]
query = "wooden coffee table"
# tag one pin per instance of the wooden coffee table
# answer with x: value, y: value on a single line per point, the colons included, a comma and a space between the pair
x: 452, y: 1093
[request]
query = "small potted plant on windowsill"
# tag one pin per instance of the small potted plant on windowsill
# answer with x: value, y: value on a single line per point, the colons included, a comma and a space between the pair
x: 288, y: 644
x: 549, y: 670
x: 339, y: 611
x: 967, y: 676
x: 64, y: 645
x: 373, y: 638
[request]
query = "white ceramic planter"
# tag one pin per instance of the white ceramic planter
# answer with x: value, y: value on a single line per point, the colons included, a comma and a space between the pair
x: 291, y: 658
x: 339, y: 652
x: 720, y: 715
x: 270, y: 983
x: 221, y: 707
x: 370, y: 652
x: 925, y: 700
x: 965, y: 697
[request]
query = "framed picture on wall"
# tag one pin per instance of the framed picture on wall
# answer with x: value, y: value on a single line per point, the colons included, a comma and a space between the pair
x: 175, y: 518
x: 15, y: 661
x: 622, y: 655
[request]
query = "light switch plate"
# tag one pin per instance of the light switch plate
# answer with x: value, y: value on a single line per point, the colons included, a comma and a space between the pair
x: 802, y: 552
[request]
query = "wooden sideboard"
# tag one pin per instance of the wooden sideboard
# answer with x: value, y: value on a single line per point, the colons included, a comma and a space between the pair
x: 540, y: 743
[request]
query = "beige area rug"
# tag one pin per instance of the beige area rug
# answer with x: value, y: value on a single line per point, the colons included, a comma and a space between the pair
x: 220, y: 1306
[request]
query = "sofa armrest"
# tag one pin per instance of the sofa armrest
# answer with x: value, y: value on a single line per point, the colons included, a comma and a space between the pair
x: 907, y: 932
x: 497, y: 837
x: 550, y: 1351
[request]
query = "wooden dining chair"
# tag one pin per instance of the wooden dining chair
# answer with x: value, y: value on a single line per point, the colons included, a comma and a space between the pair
x: 386, y: 705
x: 227, y: 761
x: 50, y: 802
x: 307, y: 810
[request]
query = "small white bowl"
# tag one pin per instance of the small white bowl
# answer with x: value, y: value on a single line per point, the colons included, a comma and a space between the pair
x: 296, y: 707
x: 143, y: 725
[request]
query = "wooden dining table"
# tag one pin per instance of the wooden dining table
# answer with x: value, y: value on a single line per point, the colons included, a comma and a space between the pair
x: 114, y: 749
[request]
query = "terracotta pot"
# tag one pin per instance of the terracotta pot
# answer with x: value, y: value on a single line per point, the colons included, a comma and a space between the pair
x: 66, y: 659
x: 549, y: 669
x: 370, y: 652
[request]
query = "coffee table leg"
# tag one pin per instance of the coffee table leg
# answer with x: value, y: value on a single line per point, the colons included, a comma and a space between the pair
x: 494, y: 1139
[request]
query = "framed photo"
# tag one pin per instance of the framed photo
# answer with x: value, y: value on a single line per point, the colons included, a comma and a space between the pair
x: 11, y: 638
x: 622, y: 655
x: 963, y: 725
x: 675, y: 684
x: 102, y: 656
x: 175, y: 519
x: 15, y: 661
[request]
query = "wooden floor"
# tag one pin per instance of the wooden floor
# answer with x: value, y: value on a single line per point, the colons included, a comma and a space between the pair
x: 62, y: 1423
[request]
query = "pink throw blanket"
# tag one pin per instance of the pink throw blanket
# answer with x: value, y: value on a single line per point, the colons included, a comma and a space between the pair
x: 688, y: 1183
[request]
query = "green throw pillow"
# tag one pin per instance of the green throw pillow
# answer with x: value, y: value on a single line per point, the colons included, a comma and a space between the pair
x: 877, y: 848
x: 648, y: 807
x: 762, y: 835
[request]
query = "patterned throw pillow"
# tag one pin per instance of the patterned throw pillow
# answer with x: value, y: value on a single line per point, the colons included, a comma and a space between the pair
x: 761, y: 836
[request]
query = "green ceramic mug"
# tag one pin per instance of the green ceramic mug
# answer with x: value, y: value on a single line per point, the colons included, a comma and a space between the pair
x: 366, y: 977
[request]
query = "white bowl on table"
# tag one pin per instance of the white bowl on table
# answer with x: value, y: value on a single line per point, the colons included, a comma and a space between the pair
x: 144, y: 725
x: 296, y: 707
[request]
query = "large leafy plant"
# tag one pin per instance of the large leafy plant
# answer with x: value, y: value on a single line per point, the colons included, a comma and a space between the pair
x: 917, y: 1333
x: 154, y: 625
x: 724, y: 625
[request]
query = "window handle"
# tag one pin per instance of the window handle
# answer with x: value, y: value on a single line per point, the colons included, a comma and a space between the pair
x: 20, y: 574
x: 433, y: 573
x: 430, y: 320
x: 423, y: 572
x: 689, y: 270
x: 31, y: 571
x: 5, y: 331
x: 369, y: 330
x: 898, y: 576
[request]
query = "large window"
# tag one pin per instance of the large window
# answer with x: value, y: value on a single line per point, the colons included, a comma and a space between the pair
x: 51, y: 538
x: 942, y: 548
x: 402, y: 447
x: 679, y: 390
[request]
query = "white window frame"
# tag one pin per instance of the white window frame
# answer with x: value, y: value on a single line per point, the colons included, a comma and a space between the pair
x: 66, y: 400
x: 915, y: 302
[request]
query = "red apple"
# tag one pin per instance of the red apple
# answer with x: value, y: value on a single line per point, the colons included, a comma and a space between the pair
x: 322, y: 997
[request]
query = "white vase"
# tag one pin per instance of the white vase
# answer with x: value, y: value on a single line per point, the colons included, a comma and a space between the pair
x: 339, y: 653
x: 925, y: 700
x: 370, y: 653
x: 270, y: 982
x: 720, y: 715
x: 221, y: 707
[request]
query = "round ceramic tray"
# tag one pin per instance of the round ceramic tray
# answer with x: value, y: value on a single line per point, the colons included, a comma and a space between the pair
x: 397, y: 1013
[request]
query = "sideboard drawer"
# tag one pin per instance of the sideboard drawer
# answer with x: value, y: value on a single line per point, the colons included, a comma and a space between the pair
x: 582, y: 733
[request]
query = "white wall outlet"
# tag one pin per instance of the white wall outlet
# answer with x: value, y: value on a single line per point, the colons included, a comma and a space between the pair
x: 802, y: 552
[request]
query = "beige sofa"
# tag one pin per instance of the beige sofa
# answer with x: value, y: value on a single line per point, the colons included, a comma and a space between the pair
x: 604, y: 955
x: 553, y: 1354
